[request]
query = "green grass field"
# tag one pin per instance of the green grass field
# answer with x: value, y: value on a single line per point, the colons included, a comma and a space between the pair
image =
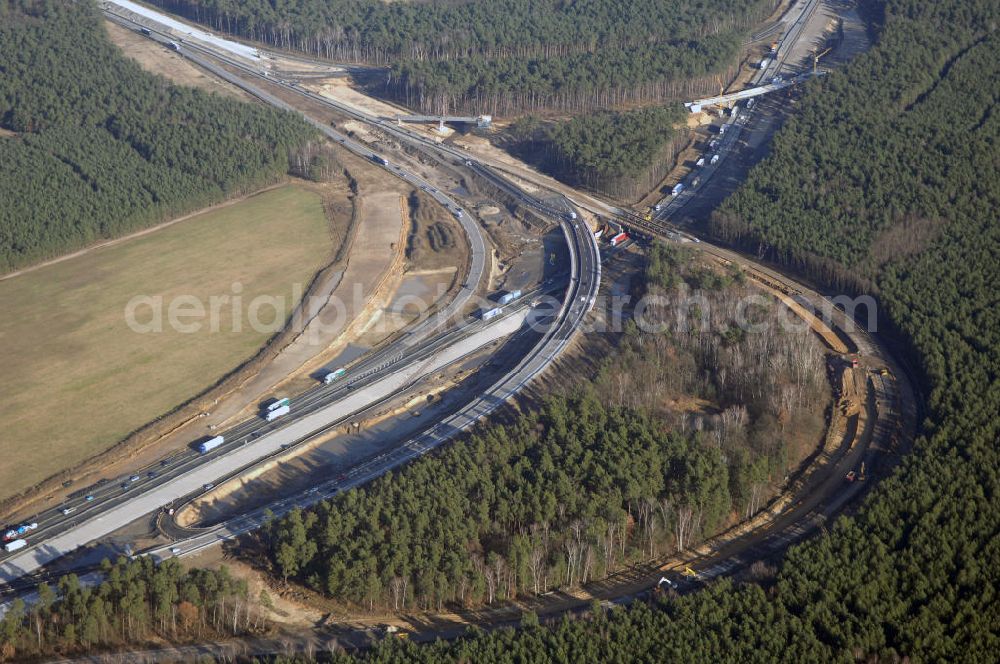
x: 77, y: 379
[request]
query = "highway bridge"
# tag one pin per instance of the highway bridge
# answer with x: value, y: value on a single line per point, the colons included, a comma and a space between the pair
x: 481, y: 121
x: 729, y: 99
x: 813, y: 508
x: 377, y: 379
x: 770, y: 78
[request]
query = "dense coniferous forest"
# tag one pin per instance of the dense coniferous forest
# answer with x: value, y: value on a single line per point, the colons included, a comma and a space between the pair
x: 621, y: 154
x: 577, y: 489
x: 889, y: 168
x: 137, y: 602
x: 102, y: 148
x: 506, y: 56
x: 881, y: 174
x: 549, y: 500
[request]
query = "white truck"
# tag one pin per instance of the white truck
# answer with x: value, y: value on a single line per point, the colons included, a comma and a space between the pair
x: 491, y: 313
x: 509, y: 297
x: 15, y: 545
x: 272, y: 415
x: 334, y: 376
x: 210, y: 444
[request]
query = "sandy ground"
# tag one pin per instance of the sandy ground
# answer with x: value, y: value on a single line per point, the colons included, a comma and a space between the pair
x: 814, y: 36
x: 339, y: 89
x: 160, y: 60
x: 283, y: 611
x: 379, y: 430
x: 342, y: 300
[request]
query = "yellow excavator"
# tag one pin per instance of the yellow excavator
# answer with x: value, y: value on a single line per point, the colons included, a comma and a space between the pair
x: 817, y: 56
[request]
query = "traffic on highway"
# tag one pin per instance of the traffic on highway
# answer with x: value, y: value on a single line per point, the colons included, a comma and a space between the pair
x: 344, y: 391
x: 98, y: 501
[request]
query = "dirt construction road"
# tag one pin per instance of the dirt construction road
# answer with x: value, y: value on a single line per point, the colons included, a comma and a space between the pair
x: 344, y: 303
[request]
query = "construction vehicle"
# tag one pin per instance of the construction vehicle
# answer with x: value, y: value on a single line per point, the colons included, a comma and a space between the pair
x: 688, y: 572
x: 774, y: 48
x: 648, y: 214
x: 861, y: 473
x: 817, y: 56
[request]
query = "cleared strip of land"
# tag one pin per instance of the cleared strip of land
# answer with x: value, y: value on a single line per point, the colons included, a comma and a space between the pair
x: 78, y: 379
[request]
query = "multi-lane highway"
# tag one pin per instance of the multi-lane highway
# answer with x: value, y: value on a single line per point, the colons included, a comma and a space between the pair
x: 577, y: 302
x: 101, y: 509
x: 825, y: 498
x: 828, y: 497
x: 105, y: 508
